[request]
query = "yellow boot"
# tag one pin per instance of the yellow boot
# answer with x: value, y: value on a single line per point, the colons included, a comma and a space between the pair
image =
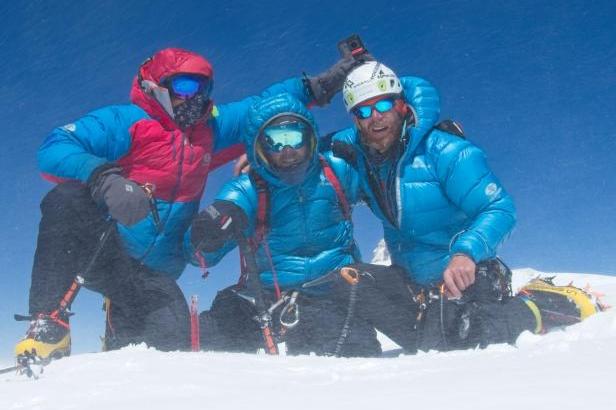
x: 47, y: 338
x: 556, y: 306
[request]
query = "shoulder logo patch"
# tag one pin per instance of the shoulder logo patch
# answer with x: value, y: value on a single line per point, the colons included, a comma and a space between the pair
x: 70, y: 127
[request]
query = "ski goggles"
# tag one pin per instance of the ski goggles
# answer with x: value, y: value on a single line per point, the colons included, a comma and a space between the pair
x: 292, y: 134
x: 365, y: 111
x: 186, y: 86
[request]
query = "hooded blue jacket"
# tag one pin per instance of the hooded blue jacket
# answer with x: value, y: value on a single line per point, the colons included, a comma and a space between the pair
x: 308, y: 235
x: 444, y: 199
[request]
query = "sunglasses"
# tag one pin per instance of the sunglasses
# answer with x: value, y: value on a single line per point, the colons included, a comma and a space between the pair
x: 186, y: 86
x: 292, y: 134
x: 365, y: 111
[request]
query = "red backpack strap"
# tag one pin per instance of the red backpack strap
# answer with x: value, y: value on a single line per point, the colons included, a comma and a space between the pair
x: 333, y: 179
x: 262, y: 228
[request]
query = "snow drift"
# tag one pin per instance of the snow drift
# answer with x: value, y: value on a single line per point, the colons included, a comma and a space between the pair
x: 567, y: 369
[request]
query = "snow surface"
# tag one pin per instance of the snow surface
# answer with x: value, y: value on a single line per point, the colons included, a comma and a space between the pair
x: 567, y: 369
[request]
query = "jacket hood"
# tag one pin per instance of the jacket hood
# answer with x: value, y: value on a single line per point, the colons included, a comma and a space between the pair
x: 156, y: 69
x: 424, y: 100
x: 265, y: 110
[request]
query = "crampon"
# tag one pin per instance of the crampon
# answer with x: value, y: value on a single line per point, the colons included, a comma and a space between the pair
x: 28, y: 364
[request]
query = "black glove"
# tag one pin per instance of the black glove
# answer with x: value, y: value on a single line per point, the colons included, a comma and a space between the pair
x: 325, y: 85
x: 125, y: 200
x: 216, y: 224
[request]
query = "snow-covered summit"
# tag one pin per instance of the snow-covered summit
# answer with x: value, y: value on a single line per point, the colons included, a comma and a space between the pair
x: 568, y: 369
x: 380, y: 254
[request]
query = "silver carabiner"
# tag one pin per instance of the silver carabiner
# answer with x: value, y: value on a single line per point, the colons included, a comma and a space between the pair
x: 292, y: 309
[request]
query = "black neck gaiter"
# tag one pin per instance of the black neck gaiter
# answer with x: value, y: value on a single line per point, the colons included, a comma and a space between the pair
x: 190, y: 111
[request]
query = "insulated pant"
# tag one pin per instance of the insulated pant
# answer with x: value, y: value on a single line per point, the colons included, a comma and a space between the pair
x: 230, y: 326
x: 145, y: 306
x: 419, y: 319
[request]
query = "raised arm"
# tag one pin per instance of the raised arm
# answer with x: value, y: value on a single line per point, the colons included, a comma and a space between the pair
x: 75, y: 150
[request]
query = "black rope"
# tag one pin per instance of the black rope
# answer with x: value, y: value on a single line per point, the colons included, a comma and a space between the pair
x: 346, y: 327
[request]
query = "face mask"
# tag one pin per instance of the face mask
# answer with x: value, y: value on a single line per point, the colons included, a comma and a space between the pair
x: 190, y: 111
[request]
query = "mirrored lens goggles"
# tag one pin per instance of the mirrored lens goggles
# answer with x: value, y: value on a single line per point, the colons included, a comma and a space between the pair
x: 365, y: 111
x: 289, y: 134
x: 187, y: 86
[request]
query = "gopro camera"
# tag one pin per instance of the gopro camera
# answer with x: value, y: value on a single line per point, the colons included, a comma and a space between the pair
x: 352, y: 45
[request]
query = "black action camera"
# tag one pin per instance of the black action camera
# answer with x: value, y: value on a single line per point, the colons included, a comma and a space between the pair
x: 352, y: 44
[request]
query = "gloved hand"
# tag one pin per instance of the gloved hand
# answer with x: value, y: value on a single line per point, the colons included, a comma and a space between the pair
x: 325, y: 85
x: 126, y: 201
x: 216, y: 224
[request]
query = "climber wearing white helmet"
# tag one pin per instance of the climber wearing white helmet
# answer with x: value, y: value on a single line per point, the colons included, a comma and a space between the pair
x: 444, y: 216
x: 373, y: 90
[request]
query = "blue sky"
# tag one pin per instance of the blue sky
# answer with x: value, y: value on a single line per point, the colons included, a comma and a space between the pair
x: 532, y: 83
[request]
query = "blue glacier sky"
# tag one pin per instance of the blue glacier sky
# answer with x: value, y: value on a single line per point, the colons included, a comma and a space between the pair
x: 532, y: 82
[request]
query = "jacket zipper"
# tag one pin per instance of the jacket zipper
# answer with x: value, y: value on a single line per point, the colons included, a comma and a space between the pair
x: 174, y: 192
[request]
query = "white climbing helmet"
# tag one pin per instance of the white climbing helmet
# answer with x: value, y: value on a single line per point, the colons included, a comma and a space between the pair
x: 369, y: 80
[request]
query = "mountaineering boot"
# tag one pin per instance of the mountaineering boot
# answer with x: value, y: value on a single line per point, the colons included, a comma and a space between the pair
x: 47, y: 338
x: 492, y: 283
x: 556, y: 306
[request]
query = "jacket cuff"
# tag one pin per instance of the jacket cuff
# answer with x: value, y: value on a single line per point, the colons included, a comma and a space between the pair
x: 472, y: 245
x: 104, y: 169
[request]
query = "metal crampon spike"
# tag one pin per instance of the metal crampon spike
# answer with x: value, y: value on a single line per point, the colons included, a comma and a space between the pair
x: 30, y: 364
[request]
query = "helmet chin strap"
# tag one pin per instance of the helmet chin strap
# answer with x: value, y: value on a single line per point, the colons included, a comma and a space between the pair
x: 403, y: 132
x: 409, y: 120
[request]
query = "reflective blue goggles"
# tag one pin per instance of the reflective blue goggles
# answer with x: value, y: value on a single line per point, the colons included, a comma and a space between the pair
x: 365, y: 111
x: 292, y: 134
x: 185, y: 86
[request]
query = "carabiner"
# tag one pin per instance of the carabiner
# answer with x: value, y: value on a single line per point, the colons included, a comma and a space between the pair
x: 291, y: 308
x: 350, y: 275
x: 149, y: 189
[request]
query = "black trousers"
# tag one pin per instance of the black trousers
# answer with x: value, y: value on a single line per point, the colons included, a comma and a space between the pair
x: 419, y: 319
x: 229, y: 325
x: 145, y: 306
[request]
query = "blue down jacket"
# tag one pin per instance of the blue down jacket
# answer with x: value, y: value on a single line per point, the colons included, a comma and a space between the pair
x: 444, y: 199
x: 308, y: 232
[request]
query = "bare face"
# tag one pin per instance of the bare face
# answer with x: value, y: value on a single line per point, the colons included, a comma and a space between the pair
x: 381, y: 130
x: 288, y: 158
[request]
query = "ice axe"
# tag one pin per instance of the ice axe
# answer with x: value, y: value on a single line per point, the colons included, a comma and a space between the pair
x: 26, y: 360
x: 70, y: 295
